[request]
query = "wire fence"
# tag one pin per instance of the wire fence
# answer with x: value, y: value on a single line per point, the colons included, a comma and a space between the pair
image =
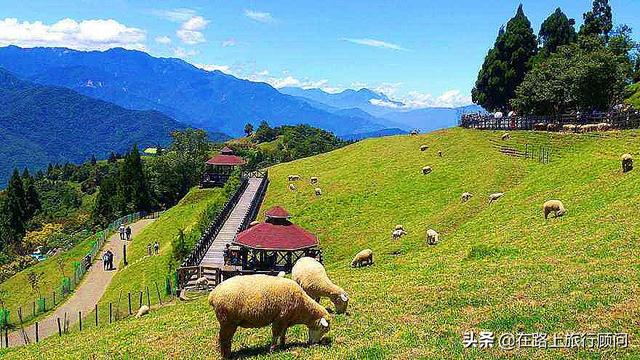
x: 44, y: 303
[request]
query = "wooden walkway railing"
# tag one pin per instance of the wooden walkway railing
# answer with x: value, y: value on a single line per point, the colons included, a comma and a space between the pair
x: 628, y: 119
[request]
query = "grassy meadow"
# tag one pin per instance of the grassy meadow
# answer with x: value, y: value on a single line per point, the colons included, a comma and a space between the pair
x: 498, y: 267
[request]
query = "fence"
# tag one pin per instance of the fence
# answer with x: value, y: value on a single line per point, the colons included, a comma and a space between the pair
x: 628, y: 119
x: 27, y: 312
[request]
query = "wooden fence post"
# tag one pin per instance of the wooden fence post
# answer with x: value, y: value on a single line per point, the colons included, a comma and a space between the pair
x: 148, y: 298
x: 96, y: 309
x: 129, y: 303
x: 158, y: 291
x: 37, y: 335
x: 54, y: 298
x: 110, y: 312
x: 59, y: 328
x: 80, y: 319
x: 139, y: 306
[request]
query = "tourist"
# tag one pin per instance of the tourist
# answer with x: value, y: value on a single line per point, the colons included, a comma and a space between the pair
x: 105, y: 261
x: 156, y: 248
x: 128, y: 231
x: 225, y: 254
x: 121, y: 229
x: 149, y: 249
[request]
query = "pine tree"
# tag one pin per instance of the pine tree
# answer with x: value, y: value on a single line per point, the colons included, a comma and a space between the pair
x: 32, y: 199
x: 557, y: 30
x: 506, y: 64
x: 133, y: 182
x: 107, y: 203
x: 14, y: 210
x: 598, y: 21
x: 248, y: 129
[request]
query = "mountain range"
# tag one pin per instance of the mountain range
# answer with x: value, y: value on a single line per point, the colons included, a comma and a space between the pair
x: 42, y: 124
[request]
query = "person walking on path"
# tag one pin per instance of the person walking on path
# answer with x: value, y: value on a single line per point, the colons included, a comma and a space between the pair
x: 128, y: 231
x: 149, y: 249
x: 121, y: 229
x: 105, y: 261
x: 156, y: 248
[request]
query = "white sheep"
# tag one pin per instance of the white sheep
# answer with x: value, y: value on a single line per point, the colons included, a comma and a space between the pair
x: 312, y: 277
x: 432, y: 237
x: 553, y: 206
x: 505, y: 136
x: 466, y: 196
x: 426, y: 170
x: 399, y: 227
x: 627, y: 163
x: 397, y: 234
x: 281, y: 274
x: 256, y: 301
x: 294, y: 177
x: 440, y: 153
x: 494, y: 197
x: 364, y: 257
x: 292, y: 187
x: 318, y: 191
x: 313, y: 180
x: 202, y: 283
x: 144, y: 310
x: 424, y: 147
x: 568, y: 128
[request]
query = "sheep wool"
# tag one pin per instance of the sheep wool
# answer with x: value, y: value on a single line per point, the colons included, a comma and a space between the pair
x: 318, y: 191
x: 312, y: 277
x: 426, y: 170
x: 466, y: 196
x: 424, y: 147
x: 144, y: 310
x: 432, y: 237
x: 292, y: 187
x: 505, y: 136
x: 255, y: 301
x: 553, y: 206
x: 364, y: 257
x: 294, y: 177
x: 627, y: 163
x: 313, y: 180
x: 494, y: 197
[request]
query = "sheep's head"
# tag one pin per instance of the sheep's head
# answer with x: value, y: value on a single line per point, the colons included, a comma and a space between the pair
x: 561, y: 212
x: 341, y: 301
x: 318, y: 329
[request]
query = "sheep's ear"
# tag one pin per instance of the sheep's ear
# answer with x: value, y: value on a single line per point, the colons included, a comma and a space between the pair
x: 344, y: 297
x: 324, y: 323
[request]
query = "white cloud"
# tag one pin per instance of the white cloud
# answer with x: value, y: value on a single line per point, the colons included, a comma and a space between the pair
x: 97, y: 34
x: 175, y: 15
x: 229, y: 42
x: 213, y: 67
x: 263, y: 17
x: 376, y: 43
x: 418, y: 100
x: 190, y: 30
x: 184, y: 53
x: 163, y: 40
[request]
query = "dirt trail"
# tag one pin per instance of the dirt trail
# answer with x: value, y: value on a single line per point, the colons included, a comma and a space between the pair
x: 86, y: 296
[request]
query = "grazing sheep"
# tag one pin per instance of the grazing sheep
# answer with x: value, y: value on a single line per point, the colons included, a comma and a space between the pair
x: 313, y: 180
x: 505, y: 136
x: 466, y: 196
x: 397, y: 234
x: 569, y: 128
x: 440, y: 153
x: 294, y: 177
x: 432, y: 237
x: 603, y: 126
x: 494, y: 197
x: 554, y: 206
x: 627, y: 163
x: 414, y: 132
x: 202, y: 283
x: 256, y: 301
x: 364, y: 257
x: 292, y: 187
x: 552, y: 127
x: 318, y: 191
x: 426, y: 170
x: 539, y: 126
x: 144, y: 310
x: 424, y: 147
x: 312, y: 277
x: 399, y: 227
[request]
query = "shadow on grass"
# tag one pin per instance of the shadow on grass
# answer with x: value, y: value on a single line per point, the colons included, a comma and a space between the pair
x: 265, y: 349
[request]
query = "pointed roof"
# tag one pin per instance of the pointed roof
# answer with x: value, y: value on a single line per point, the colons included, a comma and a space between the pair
x: 226, y: 151
x: 276, y: 236
x: 226, y: 157
x: 277, y: 212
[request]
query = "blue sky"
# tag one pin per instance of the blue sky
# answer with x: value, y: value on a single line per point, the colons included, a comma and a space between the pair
x: 423, y: 52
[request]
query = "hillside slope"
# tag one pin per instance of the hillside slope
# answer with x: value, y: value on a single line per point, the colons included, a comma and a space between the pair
x: 499, y: 268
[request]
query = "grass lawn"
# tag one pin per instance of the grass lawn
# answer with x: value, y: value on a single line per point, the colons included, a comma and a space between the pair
x: 499, y: 268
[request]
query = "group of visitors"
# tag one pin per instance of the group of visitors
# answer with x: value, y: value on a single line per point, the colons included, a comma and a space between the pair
x: 125, y: 232
x: 156, y: 249
x: 230, y: 257
x: 107, y: 260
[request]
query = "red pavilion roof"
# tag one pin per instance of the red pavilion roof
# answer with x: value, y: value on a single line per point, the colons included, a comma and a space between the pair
x: 277, y: 212
x: 226, y: 160
x: 278, y: 236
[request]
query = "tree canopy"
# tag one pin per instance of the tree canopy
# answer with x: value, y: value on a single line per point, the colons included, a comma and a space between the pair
x: 555, y: 31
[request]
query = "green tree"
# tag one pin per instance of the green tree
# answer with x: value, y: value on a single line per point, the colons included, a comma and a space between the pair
x: 556, y: 30
x: 598, y: 21
x: 506, y: 64
x: 32, y: 199
x: 15, y: 212
x: 133, y: 183
x: 248, y: 129
x: 265, y: 133
x: 108, y: 201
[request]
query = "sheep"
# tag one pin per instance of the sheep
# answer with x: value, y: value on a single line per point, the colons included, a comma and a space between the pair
x: 202, y: 283
x: 424, y: 147
x: 256, y: 301
x: 364, y: 257
x: 414, y: 132
x: 554, y: 206
x: 313, y: 180
x: 440, y: 153
x: 399, y: 227
x: 318, y: 191
x: 426, y: 170
x: 505, y: 136
x: 627, y: 163
x: 603, y: 126
x: 539, y: 126
x: 144, y: 310
x: 494, y: 197
x: 432, y: 237
x: 552, y: 127
x: 281, y: 274
x: 569, y: 128
x: 397, y: 234
x: 294, y: 177
x: 292, y: 187
x: 466, y: 196
x: 312, y: 277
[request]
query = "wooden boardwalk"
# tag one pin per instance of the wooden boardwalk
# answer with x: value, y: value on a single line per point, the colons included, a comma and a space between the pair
x: 214, y: 255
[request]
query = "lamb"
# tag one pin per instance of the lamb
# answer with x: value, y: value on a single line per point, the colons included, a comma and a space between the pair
x: 202, y: 283
x: 627, y: 163
x: 318, y: 191
x: 364, y: 257
x: 397, y: 234
x: 144, y: 310
x: 494, y: 197
x: 292, y: 187
x: 505, y: 136
x: 554, y: 206
x: 440, y: 153
x: 424, y: 147
x: 313, y: 180
x: 256, y: 301
x: 426, y: 170
x: 312, y: 277
x: 432, y: 237
x: 466, y: 196
x: 294, y: 177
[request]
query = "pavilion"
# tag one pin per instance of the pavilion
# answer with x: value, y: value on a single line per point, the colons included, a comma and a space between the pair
x: 220, y: 167
x: 276, y: 244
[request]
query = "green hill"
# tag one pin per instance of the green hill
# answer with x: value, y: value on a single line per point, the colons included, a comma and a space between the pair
x: 499, y: 268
